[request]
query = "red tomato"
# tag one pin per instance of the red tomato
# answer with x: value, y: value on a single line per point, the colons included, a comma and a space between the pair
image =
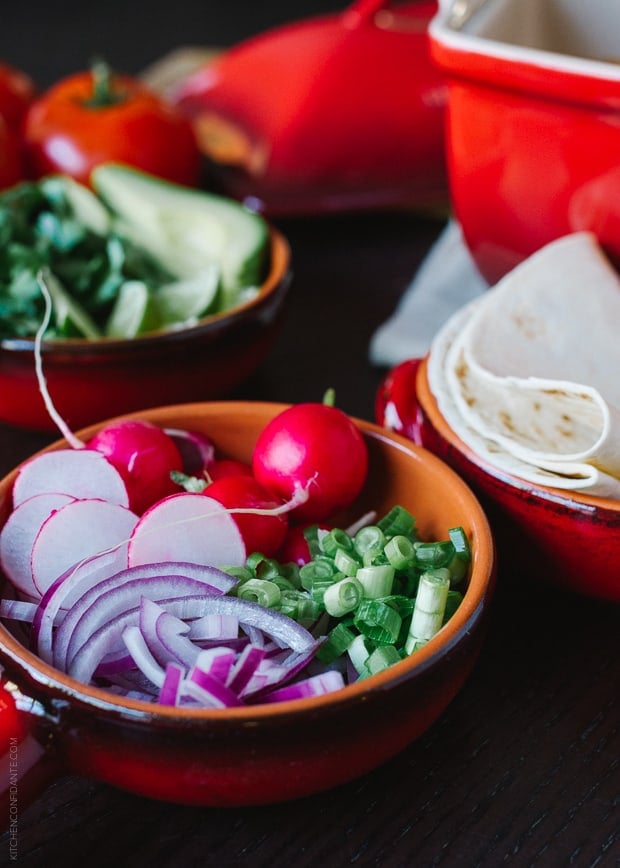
x: 261, y: 533
x: 17, y: 91
x: 11, y: 163
x: 91, y: 118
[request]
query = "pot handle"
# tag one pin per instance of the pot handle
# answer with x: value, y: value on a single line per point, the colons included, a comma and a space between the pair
x: 28, y: 765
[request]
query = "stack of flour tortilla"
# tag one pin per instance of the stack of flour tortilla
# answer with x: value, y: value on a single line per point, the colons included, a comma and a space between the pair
x: 528, y: 374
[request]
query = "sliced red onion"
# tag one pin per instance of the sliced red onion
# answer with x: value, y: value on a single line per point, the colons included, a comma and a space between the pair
x: 169, y: 632
x: 171, y: 688
x: 210, y: 691
x: 116, y: 661
x: 216, y: 662
x: 316, y: 685
x: 218, y: 627
x: 17, y: 610
x: 95, y: 578
x: 146, y: 663
x: 119, y: 593
x: 245, y: 666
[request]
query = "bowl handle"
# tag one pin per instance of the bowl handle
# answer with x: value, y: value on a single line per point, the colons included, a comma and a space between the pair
x: 28, y: 765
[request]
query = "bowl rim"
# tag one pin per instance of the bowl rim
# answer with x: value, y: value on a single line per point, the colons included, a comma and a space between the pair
x: 37, y: 672
x: 588, y: 504
x: 445, y: 28
x: 278, y: 275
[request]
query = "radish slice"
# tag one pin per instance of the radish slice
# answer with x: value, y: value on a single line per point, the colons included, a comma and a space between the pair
x: 76, y: 531
x: 82, y: 473
x: 19, y: 533
x: 187, y: 527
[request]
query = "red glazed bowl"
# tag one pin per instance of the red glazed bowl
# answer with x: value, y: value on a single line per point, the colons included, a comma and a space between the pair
x: 533, y: 123
x: 92, y: 379
x: 265, y: 753
x: 571, y: 540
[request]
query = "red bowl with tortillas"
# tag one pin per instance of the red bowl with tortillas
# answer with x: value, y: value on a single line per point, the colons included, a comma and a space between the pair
x: 519, y: 393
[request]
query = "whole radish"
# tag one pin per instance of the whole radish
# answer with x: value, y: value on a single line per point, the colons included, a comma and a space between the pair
x: 221, y: 467
x: 261, y: 533
x: 315, y: 450
x: 144, y: 455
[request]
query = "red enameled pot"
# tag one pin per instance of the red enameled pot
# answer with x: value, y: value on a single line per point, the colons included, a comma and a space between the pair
x: 570, y: 540
x: 331, y: 113
x: 532, y: 125
x: 51, y: 724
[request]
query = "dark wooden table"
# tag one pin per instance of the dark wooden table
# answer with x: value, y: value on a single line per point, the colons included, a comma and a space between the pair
x: 523, y: 769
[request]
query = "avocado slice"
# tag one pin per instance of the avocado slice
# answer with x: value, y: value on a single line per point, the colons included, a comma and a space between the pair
x: 186, y: 229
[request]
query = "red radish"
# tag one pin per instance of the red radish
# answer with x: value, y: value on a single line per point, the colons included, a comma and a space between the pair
x: 261, y: 533
x: 78, y: 530
x: 187, y: 527
x: 76, y: 472
x: 18, y: 535
x: 316, y: 448
x: 144, y: 455
x: 294, y: 549
x: 222, y: 467
x: 196, y: 450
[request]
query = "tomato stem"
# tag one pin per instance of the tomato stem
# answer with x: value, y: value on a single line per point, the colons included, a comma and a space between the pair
x: 104, y: 92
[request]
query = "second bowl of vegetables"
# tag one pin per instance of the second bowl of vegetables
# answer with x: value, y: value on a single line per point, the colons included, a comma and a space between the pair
x: 280, y: 586
x: 130, y: 292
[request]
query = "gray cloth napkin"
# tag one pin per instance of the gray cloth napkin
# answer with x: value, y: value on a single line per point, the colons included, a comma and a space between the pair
x: 446, y: 280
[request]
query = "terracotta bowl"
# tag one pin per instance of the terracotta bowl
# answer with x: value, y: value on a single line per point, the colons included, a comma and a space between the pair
x: 265, y: 753
x: 527, y: 86
x: 89, y: 380
x: 571, y: 540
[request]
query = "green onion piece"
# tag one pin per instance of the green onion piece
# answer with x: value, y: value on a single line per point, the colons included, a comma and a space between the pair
x: 282, y: 583
x: 317, y: 591
x: 381, y: 658
x: 378, y: 621
x: 313, y: 538
x: 457, y: 569
x: 403, y: 605
x: 369, y: 538
x: 339, y: 639
x: 359, y: 651
x: 374, y: 557
x: 253, y: 561
x: 429, y: 609
x: 377, y: 581
x: 400, y: 552
x: 342, y: 597
x: 260, y: 591
x: 291, y: 572
x: 268, y: 569
x: 346, y: 564
x: 317, y: 570
x: 397, y: 521
x: 453, y: 601
x: 433, y: 554
x: 459, y: 540
x: 240, y: 573
x: 335, y: 540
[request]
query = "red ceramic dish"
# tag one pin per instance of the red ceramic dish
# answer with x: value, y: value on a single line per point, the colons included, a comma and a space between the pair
x: 571, y: 540
x: 532, y: 124
x: 336, y: 112
x: 92, y: 379
x: 266, y: 753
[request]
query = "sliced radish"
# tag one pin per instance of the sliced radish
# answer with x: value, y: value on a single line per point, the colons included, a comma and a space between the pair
x: 187, y: 527
x: 81, y: 473
x: 77, y: 531
x: 19, y: 533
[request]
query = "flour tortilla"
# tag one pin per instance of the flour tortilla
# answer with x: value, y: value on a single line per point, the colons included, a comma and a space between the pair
x: 528, y: 374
